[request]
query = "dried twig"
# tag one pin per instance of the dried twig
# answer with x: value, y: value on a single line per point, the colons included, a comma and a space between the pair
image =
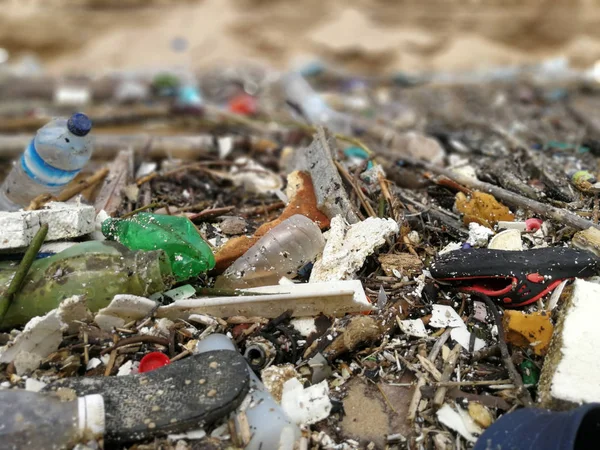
x: 545, y: 210
x: 17, y: 282
x: 451, y: 362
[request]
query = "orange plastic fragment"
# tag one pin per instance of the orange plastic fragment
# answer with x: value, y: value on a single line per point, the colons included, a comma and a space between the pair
x: 302, y: 201
x: 482, y: 208
x: 528, y: 330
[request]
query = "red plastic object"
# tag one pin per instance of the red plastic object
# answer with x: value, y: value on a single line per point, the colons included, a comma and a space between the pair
x: 243, y: 104
x: 153, y: 361
x: 533, y: 224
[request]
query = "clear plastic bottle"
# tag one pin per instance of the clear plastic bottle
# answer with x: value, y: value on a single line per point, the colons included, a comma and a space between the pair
x: 270, y: 426
x: 279, y: 253
x: 44, y: 422
x: 299, y: 92
x: 52, y: 159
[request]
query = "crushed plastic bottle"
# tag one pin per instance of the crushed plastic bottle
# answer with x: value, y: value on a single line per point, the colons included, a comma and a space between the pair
x: 189, y: 254
x: 270, y: 425
x: 52, y: 159
x: 42, y: 421
x: 98, y: 270
x: 279, y: 253
x: 300, y: 93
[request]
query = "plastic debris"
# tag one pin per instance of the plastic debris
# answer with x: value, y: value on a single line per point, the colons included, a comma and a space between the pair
x: 478, y: 235
x: 42, y: 335
x: 53, y: 158
x: 123, y: 309
x: 506, y: 240
x: 348, y: 246
x: 302, y: 300
x: 96, y: 270
x: 444, y: 316
x: 279, y: 253
x: 413, y: 327
x: 588, y: 240
x: 305, y: 406
x: 45, y: 422
x: 153, y: 361
x: 460, y: 421
x: 532, y: 330
x: 571, y: 373
x: 189, y: 255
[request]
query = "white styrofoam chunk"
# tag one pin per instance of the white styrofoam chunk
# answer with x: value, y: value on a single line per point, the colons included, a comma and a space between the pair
x: 348, y: 246
x: 65, y: 221
x: 305, y: 406
x: 577, y: 375
x: 478, y: 235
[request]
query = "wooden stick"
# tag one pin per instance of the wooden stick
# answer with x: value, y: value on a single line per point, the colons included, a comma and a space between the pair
x: 545, y: 210
x: 17, y: 282
x: 440, y: 394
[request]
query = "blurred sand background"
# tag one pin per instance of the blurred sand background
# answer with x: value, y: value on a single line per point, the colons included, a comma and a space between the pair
x: 375, y: 36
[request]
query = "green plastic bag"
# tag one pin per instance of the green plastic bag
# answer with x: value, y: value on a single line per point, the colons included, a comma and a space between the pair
x: 177, y: 236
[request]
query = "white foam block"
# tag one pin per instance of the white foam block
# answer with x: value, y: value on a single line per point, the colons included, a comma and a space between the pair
x: 576, y: 377
x: 65, y: 221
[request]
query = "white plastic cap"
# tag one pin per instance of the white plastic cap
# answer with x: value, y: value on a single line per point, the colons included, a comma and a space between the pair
x: 91, y: 414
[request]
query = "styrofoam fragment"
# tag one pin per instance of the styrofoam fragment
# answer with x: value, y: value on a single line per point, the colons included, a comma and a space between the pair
x: 65, y: 221
x: 33, y: 385
x: 122, y: 309
x: 577, y: 375
x: 306, y: 406
x: 478, y: 235
x: 348, y: 246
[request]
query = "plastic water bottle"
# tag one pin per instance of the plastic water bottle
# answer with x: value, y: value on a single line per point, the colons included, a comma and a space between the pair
x: 279, y: 253
x: 270, y: 426
x: 52, y: 159
x: 42, y: 421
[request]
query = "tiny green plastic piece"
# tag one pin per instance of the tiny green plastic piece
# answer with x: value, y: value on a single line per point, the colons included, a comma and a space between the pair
x: 177, y: 236
x: 530, y: 372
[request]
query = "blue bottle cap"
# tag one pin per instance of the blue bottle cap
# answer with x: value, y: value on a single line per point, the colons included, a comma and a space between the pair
x: 79, y: 124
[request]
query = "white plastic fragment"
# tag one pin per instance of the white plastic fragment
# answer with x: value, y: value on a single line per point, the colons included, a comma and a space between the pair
x: 254, y: 177
x: 33, y: 385
x: 305, y: 325
x: 444, y: 316
x: 507, y: 240
x: 506, y: 225
x: 348, y: 246
x: 555, y: 297
x: 463, y: 337
x: 127, y: 369
x: 478, y: 235
x: 93, y: 363
x: 122, y: 309
x: 192, y: 435
x: 576, y: 377
x: 305, y: 406
x: 413, y: 327
x: 452, y: 246
x: 42, y: 335
x: 66, y: 220
x: 305, y: 300
x: 460, y: 421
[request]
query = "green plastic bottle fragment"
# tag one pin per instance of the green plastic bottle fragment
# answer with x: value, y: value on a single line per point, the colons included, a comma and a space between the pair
x: 189, y: 254
x: 530, y: 372
x: 98, y: 270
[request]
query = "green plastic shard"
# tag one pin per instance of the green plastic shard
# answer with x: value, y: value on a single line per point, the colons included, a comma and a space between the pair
x: 177, y: 236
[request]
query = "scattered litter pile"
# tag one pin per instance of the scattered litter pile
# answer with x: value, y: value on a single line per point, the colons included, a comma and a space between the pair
x: 255, y: 260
